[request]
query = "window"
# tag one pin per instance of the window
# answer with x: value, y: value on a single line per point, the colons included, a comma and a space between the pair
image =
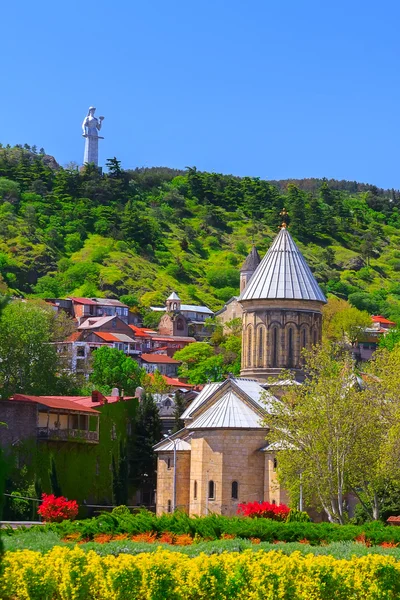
x: 80, y: 351
x: 179, y: 324
x: 195, y: 490
x: 260, y: 345
x: 211, y: 490
x: 114, y: 323
x: 304, y: 338
x: 235, y: 490
x: 290, y: 347
x: 275, y: 463
x: 273, y: 501
x: 275, y: 347
x: 168, y: 463
x: 169, y: 506
x: 315, y: 337
x: 80, y: 422
x: 249, y: 348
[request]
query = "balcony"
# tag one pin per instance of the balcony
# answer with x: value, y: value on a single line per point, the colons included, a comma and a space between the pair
x: 67, y: 435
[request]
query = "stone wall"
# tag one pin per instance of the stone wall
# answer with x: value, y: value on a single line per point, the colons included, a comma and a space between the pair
x: 165, y: 478
x: 21, y: 421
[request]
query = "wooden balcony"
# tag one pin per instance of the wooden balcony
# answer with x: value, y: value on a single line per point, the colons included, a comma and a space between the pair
x: 67, y: 435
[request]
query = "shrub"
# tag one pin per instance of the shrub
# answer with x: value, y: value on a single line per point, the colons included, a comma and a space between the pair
x: 55, y: 510
x: 278, y: 512
x: 72, y: 573
x: 297, y: 516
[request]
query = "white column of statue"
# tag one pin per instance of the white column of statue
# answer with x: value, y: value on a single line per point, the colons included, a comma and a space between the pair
x: 90, y: 127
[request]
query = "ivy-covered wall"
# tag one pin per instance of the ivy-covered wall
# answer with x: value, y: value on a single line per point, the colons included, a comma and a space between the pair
x: 84, y: 470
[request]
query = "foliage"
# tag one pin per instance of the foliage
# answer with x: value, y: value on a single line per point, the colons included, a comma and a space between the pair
x: 266, y: 510
x: 65, y: 572
x: 297, y: 516
x: 56, y: 509
x: 30, y: 363
x: 113, y: 368
x: 343, y: 322
x: 390, y: 340
x: 147, y: 231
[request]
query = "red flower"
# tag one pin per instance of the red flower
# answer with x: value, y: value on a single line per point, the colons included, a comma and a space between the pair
x: 58, y: 509
x: 278, y: 512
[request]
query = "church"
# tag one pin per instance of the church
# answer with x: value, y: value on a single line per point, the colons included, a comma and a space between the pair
x: 222, y: 457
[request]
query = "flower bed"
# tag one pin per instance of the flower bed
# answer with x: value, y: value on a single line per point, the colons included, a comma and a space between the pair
x: 65, y: 573
x: 215, y: 527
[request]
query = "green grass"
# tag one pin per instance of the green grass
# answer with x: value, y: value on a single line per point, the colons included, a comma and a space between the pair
x: 45, y: 541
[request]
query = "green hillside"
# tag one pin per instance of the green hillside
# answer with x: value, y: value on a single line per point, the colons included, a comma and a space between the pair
x: 146, y: 232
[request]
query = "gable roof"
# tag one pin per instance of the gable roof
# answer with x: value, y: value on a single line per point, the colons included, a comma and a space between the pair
x: 159, y: 358
x: 98, y: 301
x: 252, y: 261
x: 95, y: 322
x: 57, y: 402
x: 283, y: 274
x: 228, y: 412
x: 142, y: 331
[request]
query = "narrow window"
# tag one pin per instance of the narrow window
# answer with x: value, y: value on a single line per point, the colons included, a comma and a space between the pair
x: 304, y: 340
x: 315, y: 337
x: 275, y: 463
x: 235, y: 490
x: 169, y: 463
x: 274, y: 501
x: 249, y: 348
x: 275, y: 347
x: 211, y: 490
x: 290, y: 347
x: 169, y: 506
x: 195, y: 490
x: 260, y: 346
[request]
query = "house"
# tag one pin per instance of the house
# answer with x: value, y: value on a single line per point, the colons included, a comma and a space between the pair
x: 183, y: 319
x: 82, y: 435
x: 160, y: 362
x: 82, y: 308
x: 222, y: 457
x: 369, y: 339
x: 150, y: 340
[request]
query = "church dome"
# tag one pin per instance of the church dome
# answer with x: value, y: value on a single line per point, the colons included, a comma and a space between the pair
x: 283, y: 274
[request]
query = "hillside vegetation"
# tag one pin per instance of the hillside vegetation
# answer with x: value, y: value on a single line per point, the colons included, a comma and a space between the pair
x: 144, y: 232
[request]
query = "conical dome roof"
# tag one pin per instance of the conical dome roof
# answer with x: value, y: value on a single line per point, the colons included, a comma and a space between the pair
x: 283, y: 274
x: 252, y: 261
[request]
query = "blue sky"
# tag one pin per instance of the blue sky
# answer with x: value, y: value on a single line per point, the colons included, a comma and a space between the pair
x: 273, y: 89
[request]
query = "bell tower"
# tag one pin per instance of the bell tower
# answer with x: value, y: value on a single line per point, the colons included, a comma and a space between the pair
x: 248, y: 267
x: 173, y: 303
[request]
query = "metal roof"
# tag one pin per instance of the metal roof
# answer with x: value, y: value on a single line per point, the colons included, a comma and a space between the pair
x: 205, y: 393
x: 283, y: 274
x: 168, y: 446
x: 252, y: 260
x: 173, y: 296
x: 194, y: 308
x: 228, y: 411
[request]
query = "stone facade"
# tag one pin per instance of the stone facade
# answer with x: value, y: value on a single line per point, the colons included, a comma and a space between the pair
x: 165, y: 478
x: 173, y: 324
x: 275, y: 333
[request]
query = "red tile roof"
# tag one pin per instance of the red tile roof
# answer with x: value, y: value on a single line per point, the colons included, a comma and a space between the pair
x: 87, y: 400
x: 107, y: 337
x: 83, y: 301
x: 159, y: 358
x: 142, y: 331
x: 74, y: 337
x: 172, y: 339
x: 176, y: 382
x: 380, y: 319
x: 57, y: 402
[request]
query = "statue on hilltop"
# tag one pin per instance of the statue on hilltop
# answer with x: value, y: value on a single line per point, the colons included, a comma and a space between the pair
x: 90, y: 127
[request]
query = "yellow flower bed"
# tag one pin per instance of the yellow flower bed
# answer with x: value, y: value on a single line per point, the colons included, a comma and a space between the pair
x: 71, y: 574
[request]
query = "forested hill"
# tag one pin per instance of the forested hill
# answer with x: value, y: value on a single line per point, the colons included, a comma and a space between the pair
x: 146, y: 232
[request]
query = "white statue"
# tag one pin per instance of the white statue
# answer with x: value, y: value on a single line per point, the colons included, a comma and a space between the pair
x: 90, y: 126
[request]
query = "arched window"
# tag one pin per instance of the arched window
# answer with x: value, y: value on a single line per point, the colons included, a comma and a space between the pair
x: 275, y: 463
x: 174, y: 306
x: 249, y: 341
x: 290, y: 347
x: 211, y: 490
x: 179, y: 324
x: 274, y: 357
x: 304, y: 338
x: 260, y: 346
x: 195, y: 490
x: 168, y: 463
x: 235, y: 490
x: 169, y: 506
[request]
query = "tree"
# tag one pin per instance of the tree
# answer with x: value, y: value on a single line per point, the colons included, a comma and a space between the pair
x: 148, y: 433
x: 29, y: 361
x: 193, y: 357
x: 54, y: 483
x: 180, y: 407
x: 390, y: 340
x: 343, y: 322
x: 112, y: 368
x: 317, y: 426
